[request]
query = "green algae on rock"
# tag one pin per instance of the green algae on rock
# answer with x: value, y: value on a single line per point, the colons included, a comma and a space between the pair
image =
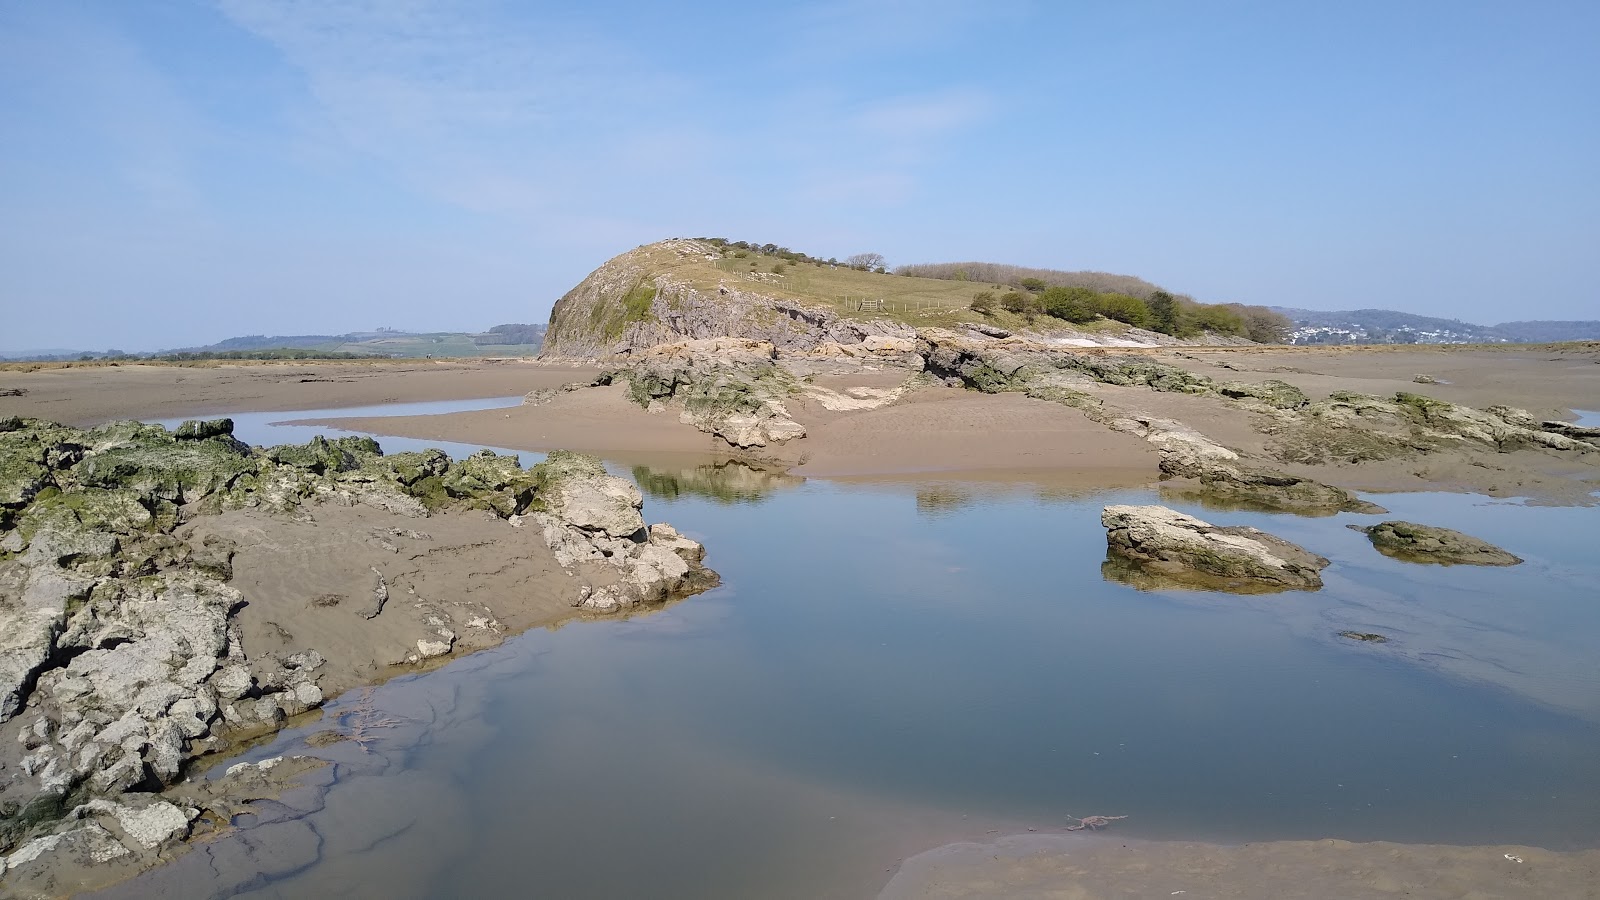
x: 120, y: 656
x: 1411, y: 542
x: 1185, y: 549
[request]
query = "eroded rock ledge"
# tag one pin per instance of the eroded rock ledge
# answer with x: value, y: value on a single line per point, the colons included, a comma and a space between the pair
x: 1411, y: 542
x: 121, y: 654
x: 1185, y: 549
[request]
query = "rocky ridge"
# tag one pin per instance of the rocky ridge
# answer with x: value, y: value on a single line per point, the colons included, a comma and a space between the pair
x: 738, y: 390
x: 121, y: 657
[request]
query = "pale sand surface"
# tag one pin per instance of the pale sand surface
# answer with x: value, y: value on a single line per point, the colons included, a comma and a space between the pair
x: 1547, y: 381
x: 310, y: 583
x: 953, y: 430
x: 597, y: 420
x: 1092, y: 867
x: 89, y: 395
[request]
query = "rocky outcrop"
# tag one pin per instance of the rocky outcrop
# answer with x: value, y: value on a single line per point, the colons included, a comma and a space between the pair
x: 1429, y: 544
x: 1352, y: 428
x: 121, y: 658
x: 1272, y: 392
x: 665, y: 293
x: 728, y: 387
x: 1187, y: 549
x: 587, y: 516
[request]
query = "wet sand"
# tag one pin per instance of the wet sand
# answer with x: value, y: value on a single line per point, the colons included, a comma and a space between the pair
x: 932, y: 430
x: 1094, y: 866
x: 84, y: 395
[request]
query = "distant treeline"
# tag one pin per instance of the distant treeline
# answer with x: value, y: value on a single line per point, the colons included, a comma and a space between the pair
x: 1015, y: 276
x: 1160, y: 311
x: 276, y: 353
x: 510, y: 334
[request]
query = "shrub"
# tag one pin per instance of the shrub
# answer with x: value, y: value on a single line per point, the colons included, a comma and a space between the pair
x: 983, y: 302
x: 1163, y: 312
x: 1013, y: 301
x: 1217, y: 319
x: 1123, y: 308
x: 1032, y: 284
x: 1074, y: 304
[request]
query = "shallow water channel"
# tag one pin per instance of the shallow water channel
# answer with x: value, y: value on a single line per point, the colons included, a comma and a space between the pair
x: 889, y: 667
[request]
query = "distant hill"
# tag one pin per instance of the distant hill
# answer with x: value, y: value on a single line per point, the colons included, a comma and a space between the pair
x: 502, y: 340
x: 511, y: 339
x: 1388, y: 326
x: 1541, y: 332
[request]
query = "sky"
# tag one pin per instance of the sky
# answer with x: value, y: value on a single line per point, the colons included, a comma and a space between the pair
x: 174, y: 172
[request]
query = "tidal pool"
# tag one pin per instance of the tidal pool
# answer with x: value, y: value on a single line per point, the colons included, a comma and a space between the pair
x: 890, y: 667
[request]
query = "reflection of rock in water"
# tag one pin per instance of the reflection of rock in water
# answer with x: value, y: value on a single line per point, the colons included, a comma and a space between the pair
x: 727, y: 482
x: 1126, y: 571
x: 941, y: 499
x: 1210, y: 499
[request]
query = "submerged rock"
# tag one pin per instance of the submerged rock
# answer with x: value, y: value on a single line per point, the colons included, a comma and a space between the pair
x: 1429, y: 544
x: 1182, y: 547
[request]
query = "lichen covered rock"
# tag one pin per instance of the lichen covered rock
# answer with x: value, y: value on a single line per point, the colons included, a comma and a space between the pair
x: 728, y: 387
x: 1184, y: 548
x: 120, y: 658
x: 1430, y: 544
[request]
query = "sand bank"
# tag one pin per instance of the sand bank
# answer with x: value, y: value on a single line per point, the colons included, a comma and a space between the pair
x: 1093, y: 866
x: 91, y: 394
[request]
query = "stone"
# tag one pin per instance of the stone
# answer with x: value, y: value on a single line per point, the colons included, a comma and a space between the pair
x: 196, y: 430
x: 665, y: 536
x: 440, y: 645
x: 1171, y: 543
x: 1273, y: 392
x: 85, y: 845
x: 154, y: 825
x: 1411, y: 542
x: 577, y: 490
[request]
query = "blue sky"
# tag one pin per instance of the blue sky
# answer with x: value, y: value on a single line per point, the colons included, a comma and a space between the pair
x: 174, y: 172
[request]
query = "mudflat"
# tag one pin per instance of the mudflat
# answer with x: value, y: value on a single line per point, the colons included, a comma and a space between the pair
x: 1091, y: 867
x: 930, y: 428
x: 90, y: 394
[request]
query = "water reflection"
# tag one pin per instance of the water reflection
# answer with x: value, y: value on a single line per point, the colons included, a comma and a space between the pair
x: 1130, y: 572
x: 1211, y: 500
x: 732, y: 481
x: 937, y: 500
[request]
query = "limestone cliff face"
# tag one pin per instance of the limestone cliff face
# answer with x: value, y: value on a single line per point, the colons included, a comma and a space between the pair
x: 666, y: 292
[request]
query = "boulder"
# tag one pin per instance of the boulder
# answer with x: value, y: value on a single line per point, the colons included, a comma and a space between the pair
x: 1182, y: 547
x: 196, y: 430
x: 1429, y: 544
x: 577, y: 490
x: 1273, y: 392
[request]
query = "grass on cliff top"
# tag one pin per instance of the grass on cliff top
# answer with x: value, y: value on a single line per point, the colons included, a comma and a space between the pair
x: 914, y: 301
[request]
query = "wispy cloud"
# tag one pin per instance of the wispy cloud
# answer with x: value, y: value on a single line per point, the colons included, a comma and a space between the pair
x: 480, y: 111
x: 104, y: 96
